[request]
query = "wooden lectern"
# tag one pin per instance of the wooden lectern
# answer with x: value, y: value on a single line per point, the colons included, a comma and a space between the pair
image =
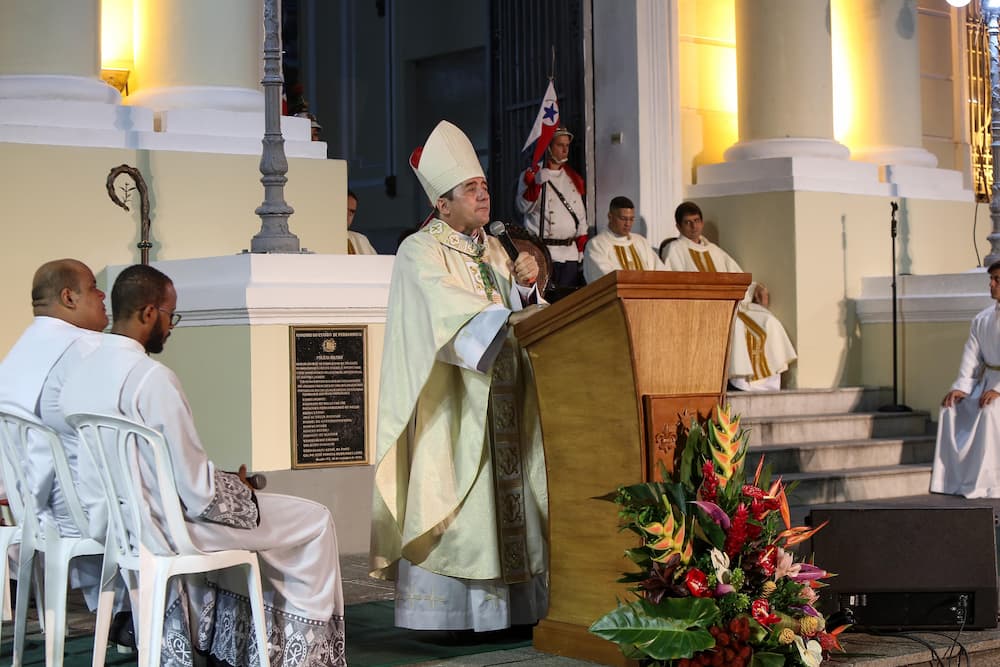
x: 618, y: 366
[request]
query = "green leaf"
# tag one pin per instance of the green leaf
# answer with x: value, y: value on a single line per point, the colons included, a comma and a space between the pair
x: 672, y: 629
x: 767, y: 660
x: 714, y: 533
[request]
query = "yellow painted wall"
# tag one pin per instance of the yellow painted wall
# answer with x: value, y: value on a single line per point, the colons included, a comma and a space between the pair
x: 202, y: 205
x: 812, y: 250
x: 929, y: 353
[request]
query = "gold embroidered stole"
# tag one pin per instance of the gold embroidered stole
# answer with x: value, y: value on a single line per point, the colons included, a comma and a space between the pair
x: 702, y: 260
x: 350, y: 248
x: 505, y: 441
x: 628, y: 258
x: 756, y: 338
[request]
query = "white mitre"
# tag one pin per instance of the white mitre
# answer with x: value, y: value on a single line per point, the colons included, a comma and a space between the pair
x: 446, y: 159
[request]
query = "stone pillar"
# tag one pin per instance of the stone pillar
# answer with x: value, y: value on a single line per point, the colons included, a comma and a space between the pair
x: 885, y: 77
x: 193, y: 54
x: 785, y: 80
x: 50, y: 50
x: 198, y: 67
x: 784, y: 71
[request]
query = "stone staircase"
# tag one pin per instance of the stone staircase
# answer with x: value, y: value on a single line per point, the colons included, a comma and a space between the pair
x: 836, y: 444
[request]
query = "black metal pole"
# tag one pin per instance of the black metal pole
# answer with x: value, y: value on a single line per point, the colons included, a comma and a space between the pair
x: 895, y: 406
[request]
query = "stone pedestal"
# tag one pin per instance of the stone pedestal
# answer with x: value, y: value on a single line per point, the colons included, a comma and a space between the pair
x: 233, y: 355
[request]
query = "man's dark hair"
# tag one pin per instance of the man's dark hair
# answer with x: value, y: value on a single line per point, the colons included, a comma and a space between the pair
x: 619, y: 203
x: 994, y: 266
x: 350, y: 193
x: 135, y: 288
x: 685, y: 209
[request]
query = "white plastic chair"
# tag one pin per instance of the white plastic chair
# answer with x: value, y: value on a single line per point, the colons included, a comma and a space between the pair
x: 58, y: 550
x: 117, y: 445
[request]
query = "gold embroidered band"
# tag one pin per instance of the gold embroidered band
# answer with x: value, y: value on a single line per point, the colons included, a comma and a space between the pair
x: 756, y: 337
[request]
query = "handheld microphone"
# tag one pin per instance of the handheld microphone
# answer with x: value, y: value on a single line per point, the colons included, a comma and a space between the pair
x: 257, y: 480
x: 499, y: 230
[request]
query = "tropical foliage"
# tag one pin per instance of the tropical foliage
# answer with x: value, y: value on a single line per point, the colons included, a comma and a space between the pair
x: 718, y: 582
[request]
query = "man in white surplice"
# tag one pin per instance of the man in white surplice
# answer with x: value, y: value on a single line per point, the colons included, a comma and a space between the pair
x: 967, y: 458
x: 68, y: 307
x: 617, y: 248
x: 294, y: 538
x: 761, y: 351
x: 460, y: 499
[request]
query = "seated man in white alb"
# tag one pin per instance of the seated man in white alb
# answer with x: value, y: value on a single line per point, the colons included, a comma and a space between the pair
x: 967, y: 459
x: 68, y: 306
x: 761, y: 351
x: 617, y: 248
x: 294, y: 538
x: 357, y: 243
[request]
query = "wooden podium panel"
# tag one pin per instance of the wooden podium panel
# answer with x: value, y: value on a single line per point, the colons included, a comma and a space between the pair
x: 614, y: 365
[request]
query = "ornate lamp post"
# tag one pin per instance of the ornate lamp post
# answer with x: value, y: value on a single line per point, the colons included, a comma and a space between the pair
x: 991, y: 11
x: 274, y: 235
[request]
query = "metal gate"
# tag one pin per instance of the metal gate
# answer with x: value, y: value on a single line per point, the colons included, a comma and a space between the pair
x: 523, y: 34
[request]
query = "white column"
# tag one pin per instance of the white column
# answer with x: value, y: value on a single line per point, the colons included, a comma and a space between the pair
x: 193, y: 54
x: 50, y: 86
x: 885, y: 75
x: 784, y: 78
x: 198, y: 67
x: 636, y: 119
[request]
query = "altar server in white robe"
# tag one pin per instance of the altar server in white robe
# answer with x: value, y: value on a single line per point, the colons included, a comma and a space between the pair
x: 460, y: 499
x: 617, y: 248
x: 68, y: 307
x: 294, y: 538
x: 761, y: 350
x: 967, y: 458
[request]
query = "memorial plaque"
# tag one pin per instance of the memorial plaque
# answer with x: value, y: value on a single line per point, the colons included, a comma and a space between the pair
x: 329, y: 396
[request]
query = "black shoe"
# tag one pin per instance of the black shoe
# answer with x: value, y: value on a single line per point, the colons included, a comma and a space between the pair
x: 122, y: 632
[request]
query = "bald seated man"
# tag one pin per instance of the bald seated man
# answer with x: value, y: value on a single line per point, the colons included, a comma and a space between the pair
x: 68, y: 307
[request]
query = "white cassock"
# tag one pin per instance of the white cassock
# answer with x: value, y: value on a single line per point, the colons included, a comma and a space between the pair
x: 967, y: 458
x: 561, y: 228
x: 609, y: 252
x: 761, y: 350
x: 295, y: 538
x: 23, y: 373
x: 460, y: 501
x: 358, y: 244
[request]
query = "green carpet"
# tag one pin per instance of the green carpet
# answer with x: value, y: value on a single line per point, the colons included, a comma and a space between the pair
x: 372, y: 641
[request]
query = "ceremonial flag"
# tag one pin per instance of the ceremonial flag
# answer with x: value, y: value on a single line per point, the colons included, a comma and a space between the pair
x: 545, y: 124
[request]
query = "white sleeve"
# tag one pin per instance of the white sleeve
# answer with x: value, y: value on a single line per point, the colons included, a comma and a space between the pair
x: 969, y: 368
x: 596, y: 261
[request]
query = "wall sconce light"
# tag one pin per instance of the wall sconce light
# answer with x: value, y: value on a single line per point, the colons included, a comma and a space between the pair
x: 116, y: 78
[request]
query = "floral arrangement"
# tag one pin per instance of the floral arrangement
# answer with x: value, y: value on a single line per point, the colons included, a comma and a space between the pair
x: 718, y: 582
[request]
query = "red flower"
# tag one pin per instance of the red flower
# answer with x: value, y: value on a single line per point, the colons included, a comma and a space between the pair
x: 767, y: 560
x: 761, y: 612
x: 751, y: 491
x: 709, y: 482
x: 737, y: 535
x: 697, y: 583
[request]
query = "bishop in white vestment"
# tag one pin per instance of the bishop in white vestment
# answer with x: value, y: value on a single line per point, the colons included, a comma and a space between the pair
x: 967, y: 457
x: 761, y: 350
x: 294, y: 538
x: 617, y: 248
x: 460, y: 499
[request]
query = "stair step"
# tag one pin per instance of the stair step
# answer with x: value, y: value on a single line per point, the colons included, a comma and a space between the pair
x: 860, y: 484
x: 843, y: 455
x: 831, y: 427
x: 809, y: 401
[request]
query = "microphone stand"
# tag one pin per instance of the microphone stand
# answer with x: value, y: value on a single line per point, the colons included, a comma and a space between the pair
x: 895, y: 406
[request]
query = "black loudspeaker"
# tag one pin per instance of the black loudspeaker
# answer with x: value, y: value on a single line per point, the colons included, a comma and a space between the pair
x: 909, y: 567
